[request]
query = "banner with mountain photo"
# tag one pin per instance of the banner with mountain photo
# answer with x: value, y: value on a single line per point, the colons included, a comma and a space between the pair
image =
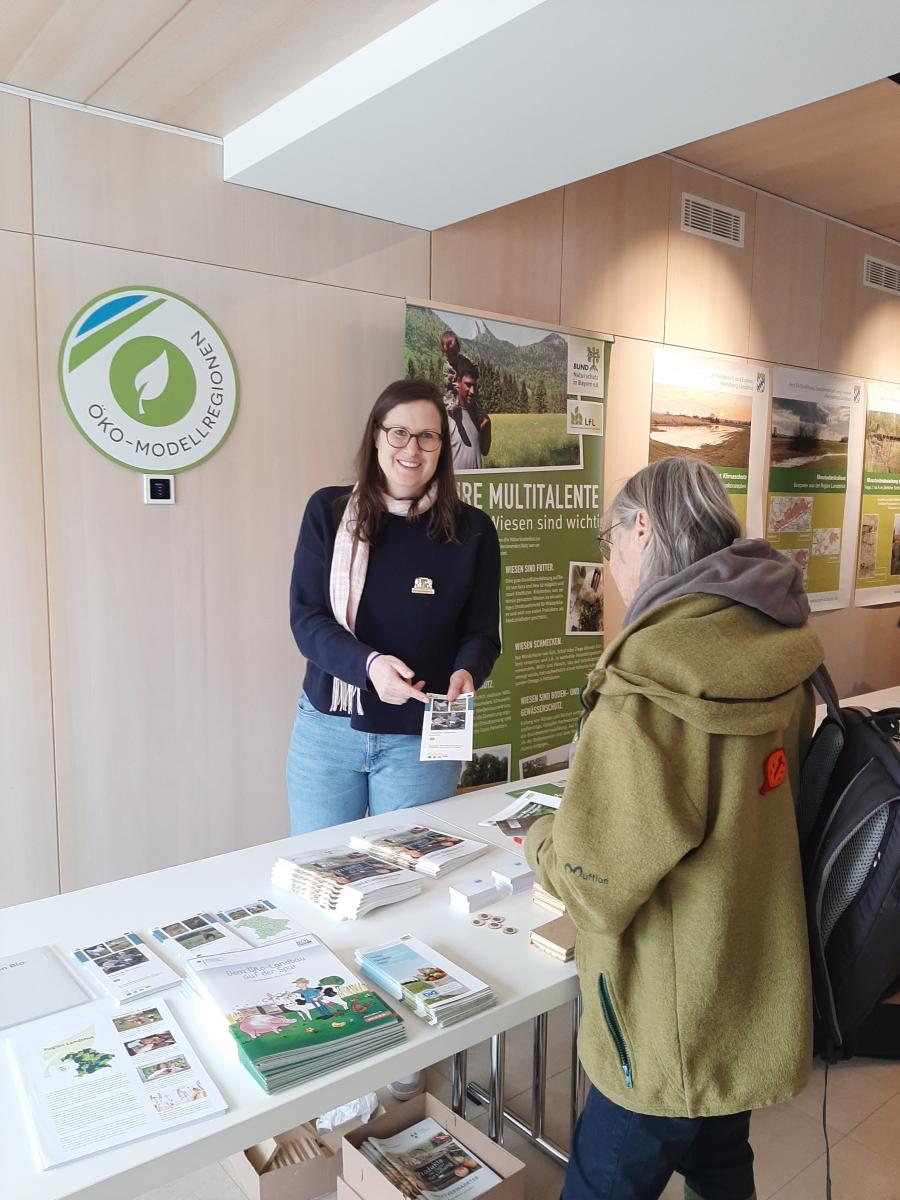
x: 815, y: 459
x: 704, y: 407
x: 526, y: 410
x: 878, y: 566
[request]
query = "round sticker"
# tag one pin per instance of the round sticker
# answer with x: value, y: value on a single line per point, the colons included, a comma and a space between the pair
x: 148, y: 379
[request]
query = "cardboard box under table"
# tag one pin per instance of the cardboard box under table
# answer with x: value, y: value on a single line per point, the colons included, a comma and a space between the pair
x: 297, y: 1181
x: 366, y: 1180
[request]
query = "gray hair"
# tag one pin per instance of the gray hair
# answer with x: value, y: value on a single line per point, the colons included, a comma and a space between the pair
x: 689, y: 510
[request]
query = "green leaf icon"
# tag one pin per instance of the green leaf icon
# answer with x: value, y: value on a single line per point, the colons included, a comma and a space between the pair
x: 150, y: 382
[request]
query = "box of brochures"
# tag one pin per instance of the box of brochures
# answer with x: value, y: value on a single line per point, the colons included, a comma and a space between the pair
x: 283, y: 1168
x: 423, y: 1148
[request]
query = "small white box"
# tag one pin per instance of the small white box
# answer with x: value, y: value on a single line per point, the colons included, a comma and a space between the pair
x: 473, y: 892
x: 515, y: 876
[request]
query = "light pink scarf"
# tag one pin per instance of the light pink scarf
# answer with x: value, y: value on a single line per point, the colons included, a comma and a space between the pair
x: 349, y: 564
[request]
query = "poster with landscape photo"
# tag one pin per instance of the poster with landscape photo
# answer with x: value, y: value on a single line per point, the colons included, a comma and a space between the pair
x: 878, y: 561
x: 815, y: 451
x: 703, y: 408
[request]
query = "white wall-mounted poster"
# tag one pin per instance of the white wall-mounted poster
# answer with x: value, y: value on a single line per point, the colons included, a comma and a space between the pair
x: 812, y: 511
x: 878, y: 562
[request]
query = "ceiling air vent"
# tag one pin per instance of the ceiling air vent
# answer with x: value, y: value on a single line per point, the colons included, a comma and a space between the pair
x: 882, y: 275
x: 712, y: 220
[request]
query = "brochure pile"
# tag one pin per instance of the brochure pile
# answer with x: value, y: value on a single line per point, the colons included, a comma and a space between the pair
x: 196, y: 935
x: 526, y: 807
x: 545, y: 899
x: 426, y: 1161
x: 260, y: 923
x: 94, y: 1080
x: 294, y: 1010
x: 125, y: 968
x: 431, y: 852
x: 436, y: 989
x: 347, y: 883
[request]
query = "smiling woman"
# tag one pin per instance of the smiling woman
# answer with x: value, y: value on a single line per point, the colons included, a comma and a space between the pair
x: 394, y: 594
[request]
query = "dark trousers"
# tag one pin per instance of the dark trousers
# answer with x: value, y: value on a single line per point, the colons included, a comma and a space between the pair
x: 621, y: 1155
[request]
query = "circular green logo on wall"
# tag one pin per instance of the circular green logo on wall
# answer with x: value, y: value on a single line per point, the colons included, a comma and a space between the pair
x: 148, y: 379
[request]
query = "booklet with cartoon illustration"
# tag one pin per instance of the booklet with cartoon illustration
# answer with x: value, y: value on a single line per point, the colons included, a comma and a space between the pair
x: 294, y: 1010
x: 431, y: 852
x: 448, y: 729
x: 93, y: 1079
x: 126, y: 968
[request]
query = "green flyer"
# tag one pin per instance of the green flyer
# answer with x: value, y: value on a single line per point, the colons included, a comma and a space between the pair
x: 813, y: 500
x: 526, y: 411
x: 878, y: 566
x: 703, y: 408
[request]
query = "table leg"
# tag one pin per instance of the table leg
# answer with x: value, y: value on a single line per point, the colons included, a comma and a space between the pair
x: 539, y: 1075
x: 458, y: 1101
x: 496, y: 1088
x: 579, y: 1080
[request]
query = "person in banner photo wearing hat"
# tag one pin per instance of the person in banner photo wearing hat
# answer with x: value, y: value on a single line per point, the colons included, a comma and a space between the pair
x: 675, y: 847
x: 395, y: 593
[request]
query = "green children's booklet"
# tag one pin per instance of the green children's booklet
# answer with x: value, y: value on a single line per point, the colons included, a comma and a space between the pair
x: 295, y: 1010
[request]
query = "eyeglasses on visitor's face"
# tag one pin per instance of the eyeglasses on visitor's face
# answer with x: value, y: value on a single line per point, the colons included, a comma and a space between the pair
x: 604, y: 541
x: 398, y: 437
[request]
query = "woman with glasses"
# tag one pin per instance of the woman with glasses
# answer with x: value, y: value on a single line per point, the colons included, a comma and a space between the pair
x: 394, y: 594
x: 675, y: 847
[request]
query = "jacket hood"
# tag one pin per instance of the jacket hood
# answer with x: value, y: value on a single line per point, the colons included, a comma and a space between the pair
x: 722, y: 645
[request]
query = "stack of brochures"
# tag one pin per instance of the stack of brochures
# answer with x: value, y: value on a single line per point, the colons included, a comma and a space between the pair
x: 346, y: 883
x: 126, y: 968
x: 431, y: 852
x: 94, y: 1080
x: 436, y: 989
x: 294, y: 1010
x: 195, y: 935
x: 556, y: 938
x: 547, y: 900
x: 428, y: 1162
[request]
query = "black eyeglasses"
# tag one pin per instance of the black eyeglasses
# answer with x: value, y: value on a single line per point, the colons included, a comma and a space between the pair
x: 604, y: 541
x: 398, y: 437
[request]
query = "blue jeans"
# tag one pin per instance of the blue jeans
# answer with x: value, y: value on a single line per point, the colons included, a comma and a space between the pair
x: 336, y: 773
x: 622, y: 1155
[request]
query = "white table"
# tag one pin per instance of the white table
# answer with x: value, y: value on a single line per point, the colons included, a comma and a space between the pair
x: 525, y: 982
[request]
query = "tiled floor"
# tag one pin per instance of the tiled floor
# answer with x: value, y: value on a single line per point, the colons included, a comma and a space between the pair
x: 863, y: 1121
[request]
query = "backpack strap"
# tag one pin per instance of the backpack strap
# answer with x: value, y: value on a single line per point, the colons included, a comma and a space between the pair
x: 824, y: 685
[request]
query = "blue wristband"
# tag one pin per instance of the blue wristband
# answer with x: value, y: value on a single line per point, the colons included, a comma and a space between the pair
x: 369, y: 665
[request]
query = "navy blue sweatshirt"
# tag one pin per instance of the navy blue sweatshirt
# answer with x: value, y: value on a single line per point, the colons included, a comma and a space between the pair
x: 455, y: 629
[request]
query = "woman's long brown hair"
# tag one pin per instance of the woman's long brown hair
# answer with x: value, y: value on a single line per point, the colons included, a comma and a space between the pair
x: 443, y: 515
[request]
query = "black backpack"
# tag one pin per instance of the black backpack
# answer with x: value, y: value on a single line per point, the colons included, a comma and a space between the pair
x: 848, y: 816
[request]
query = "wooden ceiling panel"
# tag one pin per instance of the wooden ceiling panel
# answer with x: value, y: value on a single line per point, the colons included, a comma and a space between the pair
x: 840, y: 156
x: 69, y: 48
x: 218, y: 63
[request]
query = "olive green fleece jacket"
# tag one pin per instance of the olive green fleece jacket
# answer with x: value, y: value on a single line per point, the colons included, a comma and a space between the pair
x: 680, y: 868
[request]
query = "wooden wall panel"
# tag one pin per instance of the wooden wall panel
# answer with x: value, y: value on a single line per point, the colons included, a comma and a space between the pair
x: 615, y: 247
x: 860, y: 325
x: 505, y: 261
x: 788, y: 271
x: 27, y: 798
x: 15, y: 156
x: 115, y: 184
x: 708, y: 286
x: 175, y: 673
x: 862, y: 647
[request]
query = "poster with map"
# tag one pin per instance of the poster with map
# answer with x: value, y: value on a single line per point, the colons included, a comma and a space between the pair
x: 878, y: 562
x: 814, y: 461
x: 703, y: 407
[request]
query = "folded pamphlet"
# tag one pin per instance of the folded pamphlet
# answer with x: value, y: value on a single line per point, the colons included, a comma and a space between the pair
x: 431, y: 852
x: 346, y: 883
x: 294, y: 1010
x: 260, y: 923
x: 435, y: 988
x: 428, y: 1162
x: 448, y: 729
x: 196, y: 935
x: 126, y: 968
x: 526, y: 807
x: 94, y: 1079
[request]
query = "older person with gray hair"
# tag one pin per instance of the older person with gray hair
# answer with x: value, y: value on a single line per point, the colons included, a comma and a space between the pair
x: 675, y: 847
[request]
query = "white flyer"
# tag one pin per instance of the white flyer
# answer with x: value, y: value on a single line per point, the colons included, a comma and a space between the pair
x: 93, y: 1080
x: 447, y: 729
x: 126, y: 967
